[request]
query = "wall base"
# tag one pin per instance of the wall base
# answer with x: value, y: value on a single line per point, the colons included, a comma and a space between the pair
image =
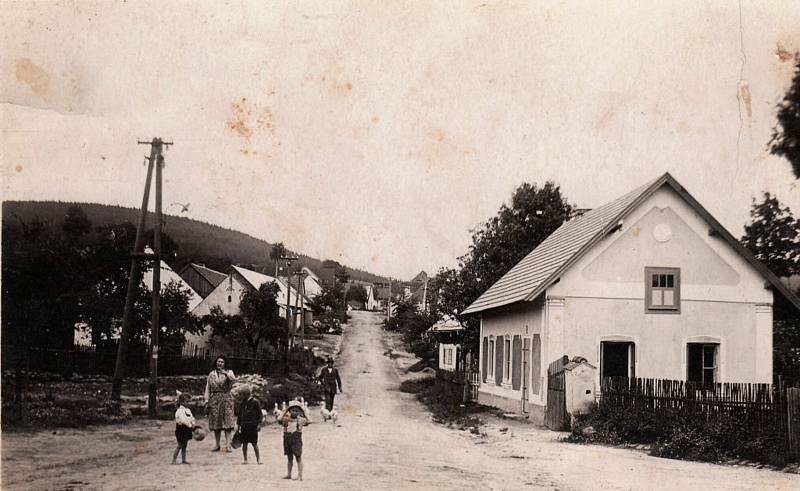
x: 535, y: 412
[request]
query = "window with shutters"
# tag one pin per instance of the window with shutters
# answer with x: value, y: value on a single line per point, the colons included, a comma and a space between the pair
x: 507, y: 360
x: 662, y: 290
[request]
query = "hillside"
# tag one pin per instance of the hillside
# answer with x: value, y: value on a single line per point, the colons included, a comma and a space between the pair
x: 199, y: 242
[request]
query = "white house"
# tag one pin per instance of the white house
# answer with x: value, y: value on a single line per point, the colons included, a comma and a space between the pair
x: 649, y: 285
x: 312, y: 286
x: 167, y: 276
x: 227, y: 295
x: 371, y: 303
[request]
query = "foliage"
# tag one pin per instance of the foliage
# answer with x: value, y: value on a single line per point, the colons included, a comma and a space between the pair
x: 786, y: 135
x: 259, y: 320
x: 533, y: 214
x: 773, y: 236
x: 276, y: 253
x: 197, y: 242
x: 357, y: 293
x: 413, y: 325
x: 680, y: 433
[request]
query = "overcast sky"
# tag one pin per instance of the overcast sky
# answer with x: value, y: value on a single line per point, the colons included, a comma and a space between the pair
x: 379, y: 135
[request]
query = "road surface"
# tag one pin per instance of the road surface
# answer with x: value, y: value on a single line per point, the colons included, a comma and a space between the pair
x: 384, y: 440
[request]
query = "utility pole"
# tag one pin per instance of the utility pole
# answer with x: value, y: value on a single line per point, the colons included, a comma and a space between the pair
x: 155, y: 327
x: 301, y: 289
x: 136, y: 271
x: 289, y: 260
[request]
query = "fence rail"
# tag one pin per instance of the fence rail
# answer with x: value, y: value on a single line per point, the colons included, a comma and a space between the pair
x: 460, y: 386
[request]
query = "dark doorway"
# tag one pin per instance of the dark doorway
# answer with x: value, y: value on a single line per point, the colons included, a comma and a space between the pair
x: 617, y: 359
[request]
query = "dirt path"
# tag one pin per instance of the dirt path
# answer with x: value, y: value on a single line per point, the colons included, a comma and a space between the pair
x: 384, y: 440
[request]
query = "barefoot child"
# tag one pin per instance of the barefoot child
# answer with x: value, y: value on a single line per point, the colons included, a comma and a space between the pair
x: 250, y: 417
x: 293, y: 420
x: 184, y: 424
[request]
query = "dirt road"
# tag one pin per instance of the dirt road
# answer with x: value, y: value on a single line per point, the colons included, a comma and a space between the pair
x: 384, y: 440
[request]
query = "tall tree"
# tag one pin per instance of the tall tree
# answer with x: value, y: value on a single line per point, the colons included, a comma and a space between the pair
x: 773, y: 236
x: 519, y: 227
x: 278, y: 251
x: 786, y: 135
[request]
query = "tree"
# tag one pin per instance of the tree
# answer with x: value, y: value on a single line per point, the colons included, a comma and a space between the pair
x: 786, y: 135
x: 278, y: 251
x: 357, y: 293
x: 259, y: 320
x: 533, y: 214
x: 773, y: 236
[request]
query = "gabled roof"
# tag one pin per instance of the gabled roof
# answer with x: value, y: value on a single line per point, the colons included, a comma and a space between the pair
x: 166, y: 276
x: 421, y: 277
x: 544, y: 265
x: 256, y: 279
x: 212, y: 276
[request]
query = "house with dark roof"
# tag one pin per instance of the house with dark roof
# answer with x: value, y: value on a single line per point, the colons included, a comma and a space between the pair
x: 203, y: 280
x: 649, y: 285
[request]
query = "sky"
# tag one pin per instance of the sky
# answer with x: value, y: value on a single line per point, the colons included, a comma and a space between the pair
x: 380, y: 134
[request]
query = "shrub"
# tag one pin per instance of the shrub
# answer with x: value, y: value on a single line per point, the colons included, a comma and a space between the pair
x: 679, y: 433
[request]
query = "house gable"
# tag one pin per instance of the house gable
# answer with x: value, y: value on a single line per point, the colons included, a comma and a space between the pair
x: 545, y: 265
x: 661, y: 238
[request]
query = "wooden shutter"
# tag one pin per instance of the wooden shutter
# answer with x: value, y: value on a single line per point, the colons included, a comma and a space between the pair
x: 498, y: 360
x: 536, y: 364
x: 516, y: 362
x: 526, y: 349
x: 485, y: 360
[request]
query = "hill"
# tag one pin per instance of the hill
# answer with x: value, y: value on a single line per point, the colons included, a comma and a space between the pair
x: 216, y: 247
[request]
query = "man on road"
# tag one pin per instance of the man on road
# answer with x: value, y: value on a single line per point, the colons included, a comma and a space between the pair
x: 330, y: 381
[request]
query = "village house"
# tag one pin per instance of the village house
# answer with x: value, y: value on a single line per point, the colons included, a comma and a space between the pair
x: 649, y: 285
x: 227, y: 296
x: 203, y: 280
x: 312, y: 285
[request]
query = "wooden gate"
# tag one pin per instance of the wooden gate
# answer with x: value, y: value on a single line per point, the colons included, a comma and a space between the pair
x: 555, y: 416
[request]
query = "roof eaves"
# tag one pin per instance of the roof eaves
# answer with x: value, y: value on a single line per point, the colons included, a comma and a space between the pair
x: 608, y: 227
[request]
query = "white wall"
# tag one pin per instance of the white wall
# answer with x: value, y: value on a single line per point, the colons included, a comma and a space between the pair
x: 722, y: 296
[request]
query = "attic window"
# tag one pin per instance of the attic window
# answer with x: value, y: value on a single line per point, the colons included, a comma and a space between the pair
x: 662, y: 290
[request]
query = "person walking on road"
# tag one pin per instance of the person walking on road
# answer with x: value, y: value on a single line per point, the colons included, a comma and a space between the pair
x: 330, y: 381
x: 219, y: 400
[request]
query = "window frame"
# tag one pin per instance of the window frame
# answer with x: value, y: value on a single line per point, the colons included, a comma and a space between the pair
x: 716, y: 362
x: 649, y: 308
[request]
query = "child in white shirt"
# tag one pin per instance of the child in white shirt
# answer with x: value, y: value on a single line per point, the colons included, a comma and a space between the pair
x: 184, y: 424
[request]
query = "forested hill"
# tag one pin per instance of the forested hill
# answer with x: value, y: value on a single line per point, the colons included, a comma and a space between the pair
x: 197, y: 241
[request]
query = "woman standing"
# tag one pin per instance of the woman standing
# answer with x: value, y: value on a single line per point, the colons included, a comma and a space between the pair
x: 219, y: 402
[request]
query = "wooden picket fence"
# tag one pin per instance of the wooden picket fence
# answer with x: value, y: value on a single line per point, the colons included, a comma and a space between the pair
x: 762, y: 406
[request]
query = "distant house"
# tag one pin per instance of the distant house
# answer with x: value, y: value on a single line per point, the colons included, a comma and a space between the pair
x: 649, y: 285
x: 312, y: 285
x: 372, y: 302
x: 227, y: 296
x: 447, y: 333
x: 202, y: 279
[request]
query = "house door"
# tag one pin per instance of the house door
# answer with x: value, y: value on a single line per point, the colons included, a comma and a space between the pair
x: 617, y: 359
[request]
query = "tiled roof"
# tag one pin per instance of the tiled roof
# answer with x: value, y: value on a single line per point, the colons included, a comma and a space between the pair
x: 539, y: 269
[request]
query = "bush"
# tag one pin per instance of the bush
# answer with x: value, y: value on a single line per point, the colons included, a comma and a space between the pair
x: 680, y: 434
x: 55, y: 412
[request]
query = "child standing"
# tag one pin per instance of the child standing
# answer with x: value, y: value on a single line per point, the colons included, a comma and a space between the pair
x: 184, y: 424
x: 249, y: 419
x: 293, y: 420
